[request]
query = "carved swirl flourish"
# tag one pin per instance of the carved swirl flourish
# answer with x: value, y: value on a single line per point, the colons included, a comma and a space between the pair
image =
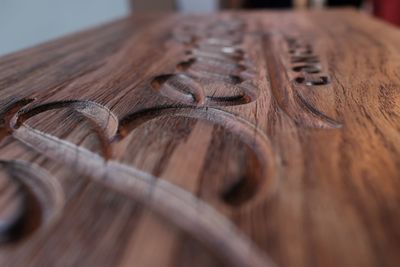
x: 24, y: 184
x: 214, y: 56
x: 177, y: 205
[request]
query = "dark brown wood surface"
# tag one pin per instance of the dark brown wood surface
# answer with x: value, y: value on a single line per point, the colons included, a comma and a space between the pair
x: 232, y: 139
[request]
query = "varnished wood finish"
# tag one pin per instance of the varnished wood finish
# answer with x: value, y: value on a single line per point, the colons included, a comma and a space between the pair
x: 233, y: 139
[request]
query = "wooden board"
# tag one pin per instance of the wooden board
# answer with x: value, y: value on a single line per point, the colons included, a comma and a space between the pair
x: 232, y: 139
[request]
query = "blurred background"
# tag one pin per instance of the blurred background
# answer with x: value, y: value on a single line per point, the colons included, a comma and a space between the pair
x: 24, y: 23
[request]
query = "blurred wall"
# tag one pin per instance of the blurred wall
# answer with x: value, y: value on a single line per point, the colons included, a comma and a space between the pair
x: 24, y: 23
x: 197, y: 5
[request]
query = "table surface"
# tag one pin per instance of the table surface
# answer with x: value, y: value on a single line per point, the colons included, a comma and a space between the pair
x: 231, y: 139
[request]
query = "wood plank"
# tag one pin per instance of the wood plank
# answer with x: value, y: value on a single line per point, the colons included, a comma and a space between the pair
x: 231, y: 139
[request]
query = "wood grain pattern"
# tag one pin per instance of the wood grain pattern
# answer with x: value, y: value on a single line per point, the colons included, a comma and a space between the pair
x: 232, y: 139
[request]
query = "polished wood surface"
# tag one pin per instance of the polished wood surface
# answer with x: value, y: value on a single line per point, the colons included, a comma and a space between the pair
x: 232, y: 139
